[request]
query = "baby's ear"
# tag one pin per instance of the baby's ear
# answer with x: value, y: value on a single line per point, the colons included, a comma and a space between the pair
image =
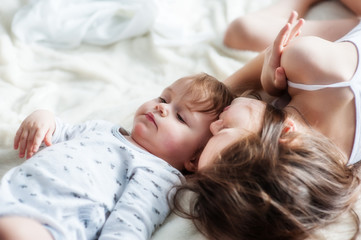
x: 191, y: 165
x: 289, y: 126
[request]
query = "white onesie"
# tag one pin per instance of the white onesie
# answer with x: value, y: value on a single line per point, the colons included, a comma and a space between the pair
x: 353, y: 36
x: 91, y: 183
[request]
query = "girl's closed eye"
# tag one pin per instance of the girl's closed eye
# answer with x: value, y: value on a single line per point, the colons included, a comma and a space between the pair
x: 162, y: 100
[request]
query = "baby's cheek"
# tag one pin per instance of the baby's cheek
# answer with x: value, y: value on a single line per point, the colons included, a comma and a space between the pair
x: 177, y: 145
x: 171, y: 143
x: 139, y: 131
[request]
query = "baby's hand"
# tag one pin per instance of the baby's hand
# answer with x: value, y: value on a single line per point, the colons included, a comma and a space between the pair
x: 36, y: 128
x: 273, y: 77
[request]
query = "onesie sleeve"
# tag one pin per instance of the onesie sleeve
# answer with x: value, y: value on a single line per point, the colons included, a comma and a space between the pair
x: 143, y: 205
x: 65, y: 131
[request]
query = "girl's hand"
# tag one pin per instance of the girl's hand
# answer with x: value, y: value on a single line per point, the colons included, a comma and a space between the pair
x: 273, y: 77
x: 38, y: 127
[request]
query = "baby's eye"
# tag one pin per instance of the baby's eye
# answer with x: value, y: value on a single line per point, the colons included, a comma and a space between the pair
x: 162, y: 100
x: 180, y: 118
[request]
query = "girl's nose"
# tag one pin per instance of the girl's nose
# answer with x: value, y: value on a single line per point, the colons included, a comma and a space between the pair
x: 162, y: 109
x: 216, y: 126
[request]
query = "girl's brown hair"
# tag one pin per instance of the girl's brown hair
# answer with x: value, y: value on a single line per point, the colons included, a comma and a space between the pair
x: 264, y: 188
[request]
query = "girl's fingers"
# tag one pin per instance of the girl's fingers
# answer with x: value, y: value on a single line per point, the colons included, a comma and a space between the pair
x: 295, y: 31
x: 293, y: 17
x: 280, y: 78
x: 281, y: 39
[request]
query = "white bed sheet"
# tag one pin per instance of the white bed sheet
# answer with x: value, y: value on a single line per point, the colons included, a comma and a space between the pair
x: 110, y: 82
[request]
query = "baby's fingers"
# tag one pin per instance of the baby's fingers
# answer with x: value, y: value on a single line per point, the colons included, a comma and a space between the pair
x: 17, y: 138
x: 22, y: 143
x: 30, y: 144
x: 48, y: 136
x: 36, y: 137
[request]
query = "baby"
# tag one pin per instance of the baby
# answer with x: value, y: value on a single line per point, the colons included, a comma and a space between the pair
x: 96, y: 180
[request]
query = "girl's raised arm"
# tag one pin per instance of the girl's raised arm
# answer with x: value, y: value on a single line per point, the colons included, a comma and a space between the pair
x: 249, y: 76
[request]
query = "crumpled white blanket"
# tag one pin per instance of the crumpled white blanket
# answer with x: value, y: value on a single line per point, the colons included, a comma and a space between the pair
x: 68, y: 23
x: 110, y: 82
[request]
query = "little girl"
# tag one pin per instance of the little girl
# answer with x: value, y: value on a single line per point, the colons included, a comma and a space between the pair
x: 281, y: 174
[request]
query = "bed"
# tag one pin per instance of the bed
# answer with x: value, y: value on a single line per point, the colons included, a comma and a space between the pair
x: 51, y: 65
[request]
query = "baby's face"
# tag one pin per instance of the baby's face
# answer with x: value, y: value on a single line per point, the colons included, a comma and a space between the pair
x: 168, y: 127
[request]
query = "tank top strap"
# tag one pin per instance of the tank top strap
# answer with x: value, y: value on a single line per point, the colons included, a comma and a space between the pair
x: 317, y: 87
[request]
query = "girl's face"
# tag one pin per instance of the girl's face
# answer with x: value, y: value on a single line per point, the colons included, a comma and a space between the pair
x: 243, y: 117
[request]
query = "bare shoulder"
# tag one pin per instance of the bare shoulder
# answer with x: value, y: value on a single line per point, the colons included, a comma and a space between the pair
x: 353, y: 5
x: 313, y: 60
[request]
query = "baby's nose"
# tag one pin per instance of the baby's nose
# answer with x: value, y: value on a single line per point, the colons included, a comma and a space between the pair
x: 162, y: 109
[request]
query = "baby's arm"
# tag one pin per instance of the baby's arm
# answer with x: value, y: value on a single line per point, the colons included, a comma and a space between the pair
x: 43, y: 127
x: 142, y: 206
x: 38, y: 127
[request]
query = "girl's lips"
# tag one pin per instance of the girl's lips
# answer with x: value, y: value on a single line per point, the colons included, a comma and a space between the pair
x: 226, y: 108
x: 151, y: 118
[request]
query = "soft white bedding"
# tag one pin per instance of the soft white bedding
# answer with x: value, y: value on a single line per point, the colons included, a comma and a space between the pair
x: 109, y: 82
